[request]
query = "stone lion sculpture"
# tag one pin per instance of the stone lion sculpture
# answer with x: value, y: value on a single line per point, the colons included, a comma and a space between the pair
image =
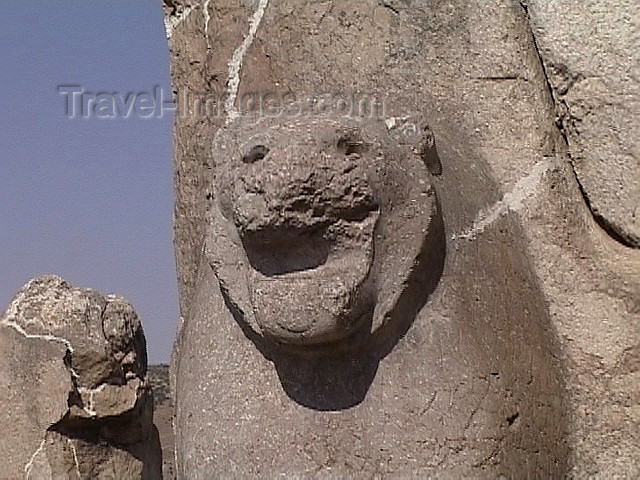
x: 316, y: 226
x: 319, y: 299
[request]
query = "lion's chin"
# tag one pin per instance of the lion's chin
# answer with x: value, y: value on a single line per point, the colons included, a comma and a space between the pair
x: 315, y: 305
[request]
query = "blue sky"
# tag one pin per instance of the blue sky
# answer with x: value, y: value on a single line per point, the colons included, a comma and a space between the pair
x: 89, y: 199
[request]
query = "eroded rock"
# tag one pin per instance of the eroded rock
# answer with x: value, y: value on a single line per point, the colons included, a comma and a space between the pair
x: 521, y: 362
x: 385, y: 387
x: 591, y: 60
x: 306, y: 223
x: 76, y: 402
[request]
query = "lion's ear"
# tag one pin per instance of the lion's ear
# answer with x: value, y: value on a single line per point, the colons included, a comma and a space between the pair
x: 224, y: 252
x: 412, y: 132
x: 429, y: 151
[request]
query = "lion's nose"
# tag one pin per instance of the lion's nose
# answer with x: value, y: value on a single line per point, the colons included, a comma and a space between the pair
x: 283, y: 228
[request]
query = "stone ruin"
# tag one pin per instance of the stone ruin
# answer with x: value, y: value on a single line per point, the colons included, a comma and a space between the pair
x: 407, y: 241
x: 74, y: 396
x: 316, y: 227
x: 407, y: 238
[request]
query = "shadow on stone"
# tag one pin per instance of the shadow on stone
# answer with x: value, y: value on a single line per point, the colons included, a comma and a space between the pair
x: 338, y: 377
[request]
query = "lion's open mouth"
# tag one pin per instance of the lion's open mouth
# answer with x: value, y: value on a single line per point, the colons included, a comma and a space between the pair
x: 284, y: 251
x: 315, y: 273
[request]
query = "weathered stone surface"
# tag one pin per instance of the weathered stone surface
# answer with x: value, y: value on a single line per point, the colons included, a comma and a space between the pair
x: 446, y: 391
x: 74, y: 394
x: 321, y: 230
x: 521, y: 361
x: 158, y: 378
x: 590, y: 53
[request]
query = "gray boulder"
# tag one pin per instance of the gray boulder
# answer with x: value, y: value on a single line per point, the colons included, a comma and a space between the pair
x: 75, y: 399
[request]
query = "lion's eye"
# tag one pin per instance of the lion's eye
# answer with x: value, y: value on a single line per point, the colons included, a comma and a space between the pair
x: 255, y: 153
x: 349, y: 144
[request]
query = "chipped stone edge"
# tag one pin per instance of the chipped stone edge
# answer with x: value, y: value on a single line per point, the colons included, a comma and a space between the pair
x: 172, y: 22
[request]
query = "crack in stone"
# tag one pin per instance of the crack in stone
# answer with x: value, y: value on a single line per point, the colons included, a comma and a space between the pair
x: 29, y: 465
x: 511, y: 201
x: 46, y: 336
x: 75, y: 456
x: 387, y: 4
x: 12, y: 313
x: 89, y: 407
x: 175, y: 449
x: 235, y: 65
x: 498, y: 78
x: 207, y: 19
x: 328, y: 11
x: 552, y: 93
